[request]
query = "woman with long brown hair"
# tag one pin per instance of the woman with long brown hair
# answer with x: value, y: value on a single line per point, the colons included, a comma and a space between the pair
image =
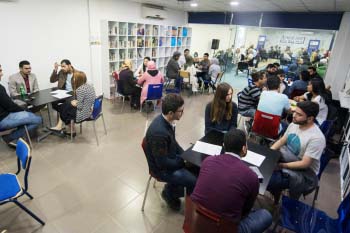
x: 221, y: 113
x: 80, y: 107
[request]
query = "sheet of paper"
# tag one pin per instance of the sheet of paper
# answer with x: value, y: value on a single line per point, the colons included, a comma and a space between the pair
x: 254, y: 158
x: 58, y: 92
x: 61, y: 95
x: 206, y: 148
x: 257, y: 172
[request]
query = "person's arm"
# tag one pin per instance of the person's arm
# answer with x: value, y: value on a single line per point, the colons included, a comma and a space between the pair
x: 279, y: 143
x: 160, y: 152
x: 207, y: 120
x: 7, y: 103
x: 253, y: 193
x: 54, y: 76
x: 138, y: 71
x: 141, y: 80
x: 35, y: 84
x: 130, y: 79
x: 13, y: 86
x: 234, y: 116
x: 301, y: 164
x: 80, y: 98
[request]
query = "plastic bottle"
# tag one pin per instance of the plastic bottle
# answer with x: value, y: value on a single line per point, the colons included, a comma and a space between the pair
x: 21, y: 90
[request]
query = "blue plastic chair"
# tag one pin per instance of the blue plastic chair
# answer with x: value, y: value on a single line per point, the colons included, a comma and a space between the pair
x: 95, y: 115
x: 326, y: 128
x: 302, y: 218
x: 11, y: 189
x: 155, y: 92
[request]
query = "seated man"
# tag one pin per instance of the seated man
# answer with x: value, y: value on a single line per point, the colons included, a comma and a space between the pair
x: 203, y: 67
x: 12, y: 116
x: 273, y: 102
x: 24, y: 79
x: 249, y: 97
x: 162, y: 151
x: 301, y: 147
x: 228, y: 187
x: 173, y: 69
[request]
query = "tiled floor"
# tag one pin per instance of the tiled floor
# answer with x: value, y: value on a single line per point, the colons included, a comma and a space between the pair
x: 80, y: 187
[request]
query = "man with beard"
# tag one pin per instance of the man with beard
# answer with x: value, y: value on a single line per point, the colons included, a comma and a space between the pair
x: 301, y: 147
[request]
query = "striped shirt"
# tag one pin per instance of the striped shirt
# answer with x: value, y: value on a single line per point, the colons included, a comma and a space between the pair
x: 249, y: 98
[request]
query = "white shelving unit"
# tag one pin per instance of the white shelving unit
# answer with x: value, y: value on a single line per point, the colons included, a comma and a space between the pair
x: 132, y: 40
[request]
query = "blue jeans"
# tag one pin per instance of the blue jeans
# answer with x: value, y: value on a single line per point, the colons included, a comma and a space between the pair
x: 279, y: 181
x: 248, y: 113
x: 18, y: 120
x: 176, y: 182
x: 256, y: 222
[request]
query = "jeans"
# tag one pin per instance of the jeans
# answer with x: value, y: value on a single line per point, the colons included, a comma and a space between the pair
x: 248, y: 113
x: 18, y: 120
x: 278, y: 182
x: 176, y: 181
x: 256, y: 222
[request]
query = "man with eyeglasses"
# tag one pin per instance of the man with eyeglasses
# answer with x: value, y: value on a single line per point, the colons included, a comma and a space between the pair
x: 14, y: 117
x: 162, y: 152
x: 24, y: 80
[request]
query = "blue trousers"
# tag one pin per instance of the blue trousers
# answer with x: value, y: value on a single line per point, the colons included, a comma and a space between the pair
x: 176, y: 181
x: 256, y: 222
x: 18, y: 120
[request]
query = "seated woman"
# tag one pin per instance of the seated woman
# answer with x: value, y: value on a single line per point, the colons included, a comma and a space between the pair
x: 151, y: 76
x: 142, y: 68
x: 316, y: 92
x: 299, y: 86
x: 214, y: 70
x: 189, y: 67
x: 78, y: 109
x: 221, y: 113
x: 127, y: 84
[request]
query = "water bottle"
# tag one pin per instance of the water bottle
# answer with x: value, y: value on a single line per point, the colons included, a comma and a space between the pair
x: 22, y: 91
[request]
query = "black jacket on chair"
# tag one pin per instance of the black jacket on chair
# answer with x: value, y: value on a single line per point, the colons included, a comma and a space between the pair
x: 126, y: 83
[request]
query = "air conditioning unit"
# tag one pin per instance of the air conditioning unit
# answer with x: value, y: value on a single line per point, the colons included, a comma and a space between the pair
x: 153, y: 12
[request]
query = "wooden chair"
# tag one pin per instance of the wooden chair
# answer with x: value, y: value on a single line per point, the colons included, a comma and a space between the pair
x: 198, y: 219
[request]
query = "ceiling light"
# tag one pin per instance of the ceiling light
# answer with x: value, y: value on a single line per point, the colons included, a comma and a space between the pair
x: 194, y: 4
x: 234, y: 3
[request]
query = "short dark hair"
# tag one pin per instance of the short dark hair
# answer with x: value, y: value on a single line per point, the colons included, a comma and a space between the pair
x: 186, y: 50
x: 148, y: 58
x: 270, y: 66
x: 66, y: 61
x: 23, y: 63
x: 276, y: 64
x: 207, y: 54
x: 312, y: 68
x: 305, y: 75
x: 257, y: 75
x: 234, y: 140
x: 280, y: 71
x: 171, y: 103
x: 273, y: 82
x: 310, y: 108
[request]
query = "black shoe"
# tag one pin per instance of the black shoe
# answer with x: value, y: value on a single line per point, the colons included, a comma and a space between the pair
x: 12, y: 145
x: 68, y: 134
x: 174, y: 204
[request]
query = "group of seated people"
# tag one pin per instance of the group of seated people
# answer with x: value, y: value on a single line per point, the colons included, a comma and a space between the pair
x: 224, y: 183
x: 135, y: 84
x: 24, y: 83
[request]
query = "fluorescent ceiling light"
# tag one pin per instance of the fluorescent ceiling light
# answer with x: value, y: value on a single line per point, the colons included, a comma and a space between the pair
x: 234, y: 3
x: 194, y: 4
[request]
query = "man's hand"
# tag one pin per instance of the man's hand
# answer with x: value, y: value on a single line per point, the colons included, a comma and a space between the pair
x: 56, y: 66
x: 74, y: 103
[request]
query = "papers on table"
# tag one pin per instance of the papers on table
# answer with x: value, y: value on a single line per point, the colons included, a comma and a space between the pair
x: 257, y: 172
x: 60, y: 94
x: 253, y: 158
x: 206, y: 148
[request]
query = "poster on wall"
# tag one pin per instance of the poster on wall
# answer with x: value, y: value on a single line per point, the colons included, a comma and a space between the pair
x: 313, y: 45
x: 261, y: 42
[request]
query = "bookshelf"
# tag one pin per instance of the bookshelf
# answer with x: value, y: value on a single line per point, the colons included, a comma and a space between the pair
x: 133, y: 40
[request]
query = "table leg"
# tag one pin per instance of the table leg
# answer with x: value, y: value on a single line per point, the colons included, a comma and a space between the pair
x: 49, y: 107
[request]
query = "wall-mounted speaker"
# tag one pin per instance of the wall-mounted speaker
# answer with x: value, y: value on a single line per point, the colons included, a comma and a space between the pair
x: 215, y: 44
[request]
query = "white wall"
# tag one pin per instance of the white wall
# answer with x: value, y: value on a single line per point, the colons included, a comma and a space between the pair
x: 202, y: 35
x: 339, y: 63
x: 44, y: 32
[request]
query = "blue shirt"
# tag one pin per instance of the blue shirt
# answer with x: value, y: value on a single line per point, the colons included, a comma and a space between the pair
x: 273, y: 102
x: 69, y: 82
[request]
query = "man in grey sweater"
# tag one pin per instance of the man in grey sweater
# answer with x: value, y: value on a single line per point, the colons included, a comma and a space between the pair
x: 173, y: 69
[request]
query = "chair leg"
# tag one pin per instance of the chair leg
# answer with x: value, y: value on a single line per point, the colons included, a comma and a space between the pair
x: 94, y: 125
x: 154, y: 183
x: 71, y: 130
x: 123, y: 97
x: 315, y: 196
x: 29, y: 212
x: 28, y: 137
x: 81, y: 127
x: 104, y: 125
x: 29, y: 195
x: 146, y: 192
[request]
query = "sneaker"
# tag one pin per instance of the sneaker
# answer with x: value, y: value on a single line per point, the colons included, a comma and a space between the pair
x: 12, y: 145
x: 174, y: 204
